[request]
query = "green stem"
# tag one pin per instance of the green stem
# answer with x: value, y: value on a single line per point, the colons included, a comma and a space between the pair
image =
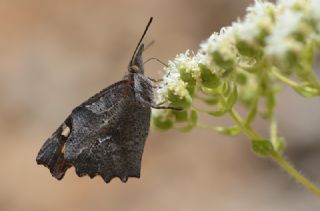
x: 295, y: 174
x: 252, y: 111
x: 201, y: 110
x: 284, y: 79
x: 204, y: 126
x: 253, y: 135
x: 273, y: 133
x: 308, y: 90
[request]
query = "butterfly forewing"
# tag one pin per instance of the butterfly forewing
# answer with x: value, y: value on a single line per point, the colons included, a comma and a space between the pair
x: 107, y: 136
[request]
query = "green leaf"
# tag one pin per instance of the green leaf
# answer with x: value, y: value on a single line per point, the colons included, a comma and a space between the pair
x: 194, y: 117
x: 307, y: 91
x: 232, y: 98
x: 262, y: 147
x: 227, y: 72
x: 305, y: 70
x: 210, y: 92
x: 226, y: 89
x: 191, y: 89
x: 256, y: 67
x: 212, y: 101
x: 191, y: 124
x: 234, y: 130
x: 252, y: 113
x: 218, y: 112
x: 179, y: 102
x: 222, y: 62
x: 281, y: 145
x: 181, y: 116
x: 245, y: 48
x: 162, y: 124
x: 241, y: 79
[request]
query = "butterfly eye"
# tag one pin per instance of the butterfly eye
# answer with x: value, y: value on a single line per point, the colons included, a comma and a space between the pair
x: 134, y: 68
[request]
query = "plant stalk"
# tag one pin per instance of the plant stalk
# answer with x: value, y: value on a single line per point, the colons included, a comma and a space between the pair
x: 278, y: 158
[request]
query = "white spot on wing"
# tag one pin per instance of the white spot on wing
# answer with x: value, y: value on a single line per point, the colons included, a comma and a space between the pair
x: 65, y: 130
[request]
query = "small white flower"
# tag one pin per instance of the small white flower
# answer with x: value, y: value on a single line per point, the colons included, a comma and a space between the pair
x: 189, y: 62
x: 293, y: 4
x: 315, y: 8
x: 280, y: 42
x: 258, y: 9
x: 315, y: 12
x: 218, y: 41
x: 179, y: 88
x: 172, y: 75
x: 270, y: 35
x: 242, y: 29
x: 259, y: 18
x: 221, y: 43
x: 172, y: 80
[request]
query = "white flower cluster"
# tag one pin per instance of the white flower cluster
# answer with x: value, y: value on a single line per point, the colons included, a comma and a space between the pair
x: 275, y: 29
x: 279, y: 42
x: 315, y: 16
x: 257, y: 23
x: 281, y: 35
x: 172, y: 82
x: 221, y: 46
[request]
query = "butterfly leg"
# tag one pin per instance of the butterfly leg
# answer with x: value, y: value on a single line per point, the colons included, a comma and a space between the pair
x: 159, y: 106
x: 155, y: 80
x: 166, y: 107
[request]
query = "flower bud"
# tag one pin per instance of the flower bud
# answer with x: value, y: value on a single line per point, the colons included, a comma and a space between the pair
x: 223, y: 60
x: 241, y: 79
x: 187, y: 77
x: 179, y: 101
x: 247, y: 49
x: 181, y: 116
x: 162, y: 119
x: 208, y: 79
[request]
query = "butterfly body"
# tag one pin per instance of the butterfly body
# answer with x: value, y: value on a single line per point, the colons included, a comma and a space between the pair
x: 106, y: 134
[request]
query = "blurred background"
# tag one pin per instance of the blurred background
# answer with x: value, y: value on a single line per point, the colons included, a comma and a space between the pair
x: 55, y: 54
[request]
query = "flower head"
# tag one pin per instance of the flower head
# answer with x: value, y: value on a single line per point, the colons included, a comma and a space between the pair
x: 237, y: 63
x: 219, y: 51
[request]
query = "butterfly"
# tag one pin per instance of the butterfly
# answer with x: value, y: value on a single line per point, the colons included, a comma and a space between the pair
x: 106, y: 134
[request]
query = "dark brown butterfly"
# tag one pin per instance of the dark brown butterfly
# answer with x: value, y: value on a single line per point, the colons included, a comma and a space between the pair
x: 106, y: 134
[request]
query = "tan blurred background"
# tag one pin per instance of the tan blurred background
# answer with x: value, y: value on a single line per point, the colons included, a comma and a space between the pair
x: 55, y: 54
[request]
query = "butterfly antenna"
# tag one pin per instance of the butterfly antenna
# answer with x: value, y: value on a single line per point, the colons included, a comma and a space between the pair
x: 144, y: 33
